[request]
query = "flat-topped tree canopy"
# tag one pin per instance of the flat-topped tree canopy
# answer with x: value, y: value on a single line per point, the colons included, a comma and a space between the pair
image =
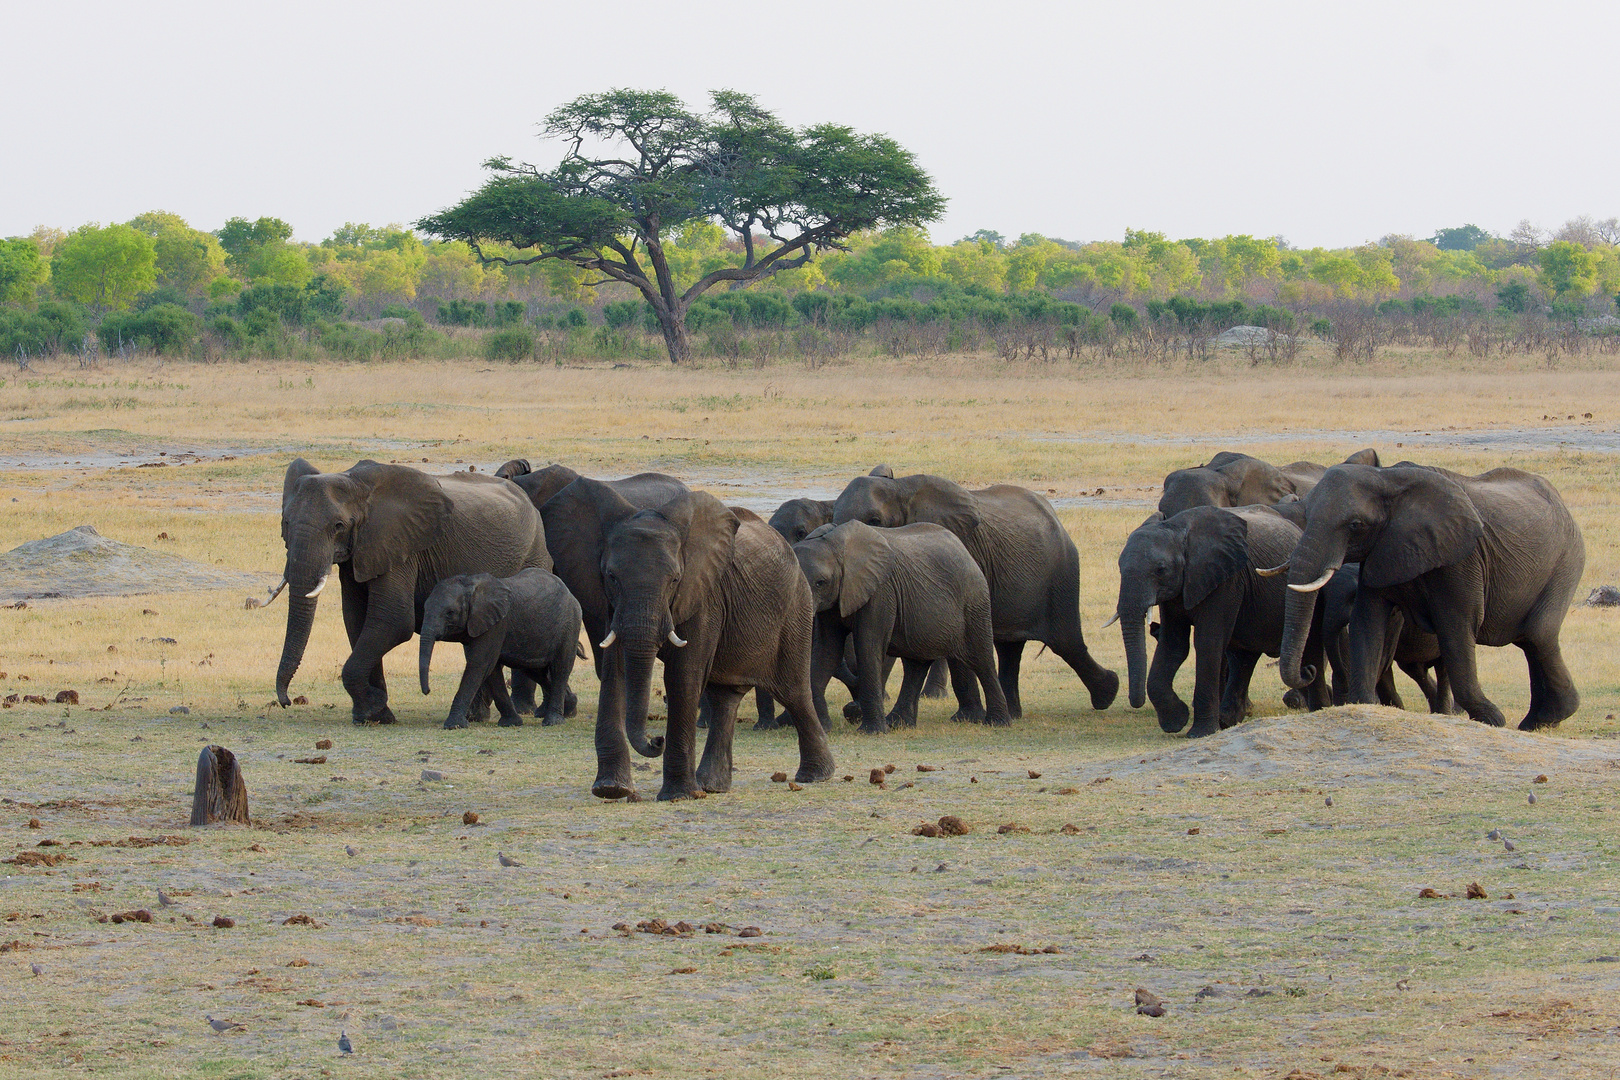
x: 639, y: 164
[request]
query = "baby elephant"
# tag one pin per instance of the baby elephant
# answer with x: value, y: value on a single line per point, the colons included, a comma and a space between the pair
x: 528, y: 622
x: 912, y: 592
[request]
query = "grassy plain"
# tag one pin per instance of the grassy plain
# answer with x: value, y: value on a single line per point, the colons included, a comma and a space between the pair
x: 441, y: 963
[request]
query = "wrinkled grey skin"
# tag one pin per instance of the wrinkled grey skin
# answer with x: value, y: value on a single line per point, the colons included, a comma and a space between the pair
x: 1230, y: 479
x: 1198, y: 567
x: 1414, y: 652
x: 716, y: 595
x: 528, y: 622
x: 394, y: 533
x: 912, y: 592
x: 1027, y: 558
x: 1475, y: 560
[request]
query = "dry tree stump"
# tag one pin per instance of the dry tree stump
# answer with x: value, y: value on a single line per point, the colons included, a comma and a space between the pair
x: 220, y: 794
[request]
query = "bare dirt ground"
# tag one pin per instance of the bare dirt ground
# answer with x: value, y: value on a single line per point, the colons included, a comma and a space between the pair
x: 1286, y: 936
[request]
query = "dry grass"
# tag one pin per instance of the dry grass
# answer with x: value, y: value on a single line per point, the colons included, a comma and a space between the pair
x: 866, y: 968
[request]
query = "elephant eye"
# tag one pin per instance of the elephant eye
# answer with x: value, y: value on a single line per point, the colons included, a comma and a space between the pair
x: 821, y: 583
x: 1357, y: 526
x: 875, y: 522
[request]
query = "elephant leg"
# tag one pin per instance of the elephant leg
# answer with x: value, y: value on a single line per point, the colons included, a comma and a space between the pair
x: 1553, y: 697
x: 1369, y: 629
x: 570, y: 703
x: 705, y: 708
x: 495, y: 687
x: 523, y: 689
x: 482, y: 668
x: 478, y: 711
x: 870, y: 639
x: 1169, y: 654
x: 904, y: 713
x: 1443, y: 702
x: 980, y: 661
x: 1210, y: 636
x: 1102, y: 683
x: 1389, y: 694
x: 685, y: 683
x: 1457, y: 632
x: 1333, y: 647
x: 356, y: 598
x: 362, y: 671
x: 554, y: 705
x: 767, y: 710
x: 969, y: 708
x: 614, y: 779
x: 1010, y: 658
x: 714, y: 771
x: 815, y: 752
x: 826, y: 656
x: 935, y: 687
x: 1235, y: 694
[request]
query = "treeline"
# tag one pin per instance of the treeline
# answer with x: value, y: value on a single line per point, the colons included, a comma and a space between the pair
x: 250, y: 289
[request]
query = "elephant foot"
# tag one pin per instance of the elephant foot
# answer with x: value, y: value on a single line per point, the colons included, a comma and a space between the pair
x: 514, y: 720
x: 763, y: 724
x: 455, y: 723
x: 1203, y: 730
x: 672, y: 792
x: 526, y: 708
x: 552, y: 719
x: 1294, y: 699
x: 880, y: 727
x: 896, y: 720
x: 715, y: 781
x: 383, y: 715
x: 969, y: 716
x: 852, y: 711
x: 1535, y: 723
x: 998, y: 721
x: 814, y: 771
x: 571, y: 704
x: 606, y: 787
x: 1107, y: 688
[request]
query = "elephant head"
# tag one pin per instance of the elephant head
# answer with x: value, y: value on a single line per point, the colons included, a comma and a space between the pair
x: 1397, y: 523
x: 464, y: 607
x: 798, y: 518
x: 845, y: 564
x: 513, y: 468
x: 1227, y: 480
x: 372, y: 517
x: 887, y: 503
x: 657, y: 569
x: 1185, y: 557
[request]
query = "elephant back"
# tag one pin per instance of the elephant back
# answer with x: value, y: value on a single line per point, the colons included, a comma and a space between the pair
x: 496, y: 530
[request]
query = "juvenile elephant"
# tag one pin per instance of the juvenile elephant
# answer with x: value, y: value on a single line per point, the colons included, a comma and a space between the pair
x: 1199, y: 567
x: 394, y: 533
x: 1413, y: 651
x: 1028, y: 561
x: 714, y: 593
x: 528, y: 622
x: 913, y: 592
x: 1475, y: 560
x: 1230, y: 479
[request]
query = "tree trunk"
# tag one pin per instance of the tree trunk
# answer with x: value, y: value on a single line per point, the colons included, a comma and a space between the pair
x: 220, y: 794
x: 676, y: 338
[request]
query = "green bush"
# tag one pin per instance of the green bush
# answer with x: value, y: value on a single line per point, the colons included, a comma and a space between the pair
x: 165, y: 328
x: 1322, y: 328
x: 511, y: 344
x: 1123, y: 316
x: 573, y: 319
x: 462, y: 313
x: 52, y: 326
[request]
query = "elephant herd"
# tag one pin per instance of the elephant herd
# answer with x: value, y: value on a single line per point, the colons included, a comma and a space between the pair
x: 1415, y: 565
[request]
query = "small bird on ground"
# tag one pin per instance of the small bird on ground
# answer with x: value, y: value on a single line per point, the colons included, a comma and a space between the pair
x: 506, y: 860
x: 1509, y: 845
x: 351, y: 849
x: 344, y: 1045
x: 164, y: 899
x: 221, y: 1025
x: 1532, y: 798
x: 39, y: 969
x: 1494, y: 834
x: 1328, y: 801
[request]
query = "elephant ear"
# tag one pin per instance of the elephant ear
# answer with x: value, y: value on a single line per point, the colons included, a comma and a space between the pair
x: 885, y: 471
x: 577, y: 519
x: 515, y: 467
x: 868, y: 560
x: 1368, y: 456
x: 1152, y: 519
x: 404, y: 512
x: 1223, y: 459
x: 941, y: 501
x: 708, y: 536
x: 491, y: 602
x: 1432, y: 523
x: 1262, y: 485
x: 295, y: 472
x: 1217, y: 548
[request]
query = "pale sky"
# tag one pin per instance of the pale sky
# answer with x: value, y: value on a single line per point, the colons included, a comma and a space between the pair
x: 1327, y: 124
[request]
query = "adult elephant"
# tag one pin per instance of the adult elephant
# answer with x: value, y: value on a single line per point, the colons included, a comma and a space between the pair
x: 1200, y: 567
x: 714, y: 593
x: 538, y: 484
x: 1030, y: 563
x: 1229, y: 479
x: 394, y: 533
x: 1475, y: 560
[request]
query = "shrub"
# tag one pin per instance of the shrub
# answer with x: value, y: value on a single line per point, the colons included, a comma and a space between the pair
x: 624, y: 314
x: 462, y: 313
x: 1322, y: 328
x: 166, y: 328
x: 511, y: 344
x: 573, y: 319
x: 1123, y: 316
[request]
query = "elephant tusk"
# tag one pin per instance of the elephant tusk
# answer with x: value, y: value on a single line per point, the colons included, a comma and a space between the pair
x: 1317, y: 584
x: 1112, y: 621
x: 1271, y: 571
x: 613, y: 635
x: 676, y: 640
x: 275, y: 592
x: 316, y: 591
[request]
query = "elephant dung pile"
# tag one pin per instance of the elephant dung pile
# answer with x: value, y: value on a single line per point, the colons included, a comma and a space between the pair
x: 82, y: 562
x: 1368, y: 744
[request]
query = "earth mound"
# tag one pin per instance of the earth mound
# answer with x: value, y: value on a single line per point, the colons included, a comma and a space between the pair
x: 81, y: 562
x: 1369, y: 743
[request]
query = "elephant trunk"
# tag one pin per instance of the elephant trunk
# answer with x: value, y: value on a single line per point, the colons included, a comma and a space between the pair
x: 425, y: 657
x: 1308, y: 570
x: 1132, y: 630
x: 640, y: 630
x: 308, y: 563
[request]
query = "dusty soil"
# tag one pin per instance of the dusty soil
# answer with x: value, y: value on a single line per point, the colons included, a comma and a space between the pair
x: 81, y: 562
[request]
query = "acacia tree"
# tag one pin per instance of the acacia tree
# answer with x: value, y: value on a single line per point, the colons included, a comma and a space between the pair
x: 638, y: 164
